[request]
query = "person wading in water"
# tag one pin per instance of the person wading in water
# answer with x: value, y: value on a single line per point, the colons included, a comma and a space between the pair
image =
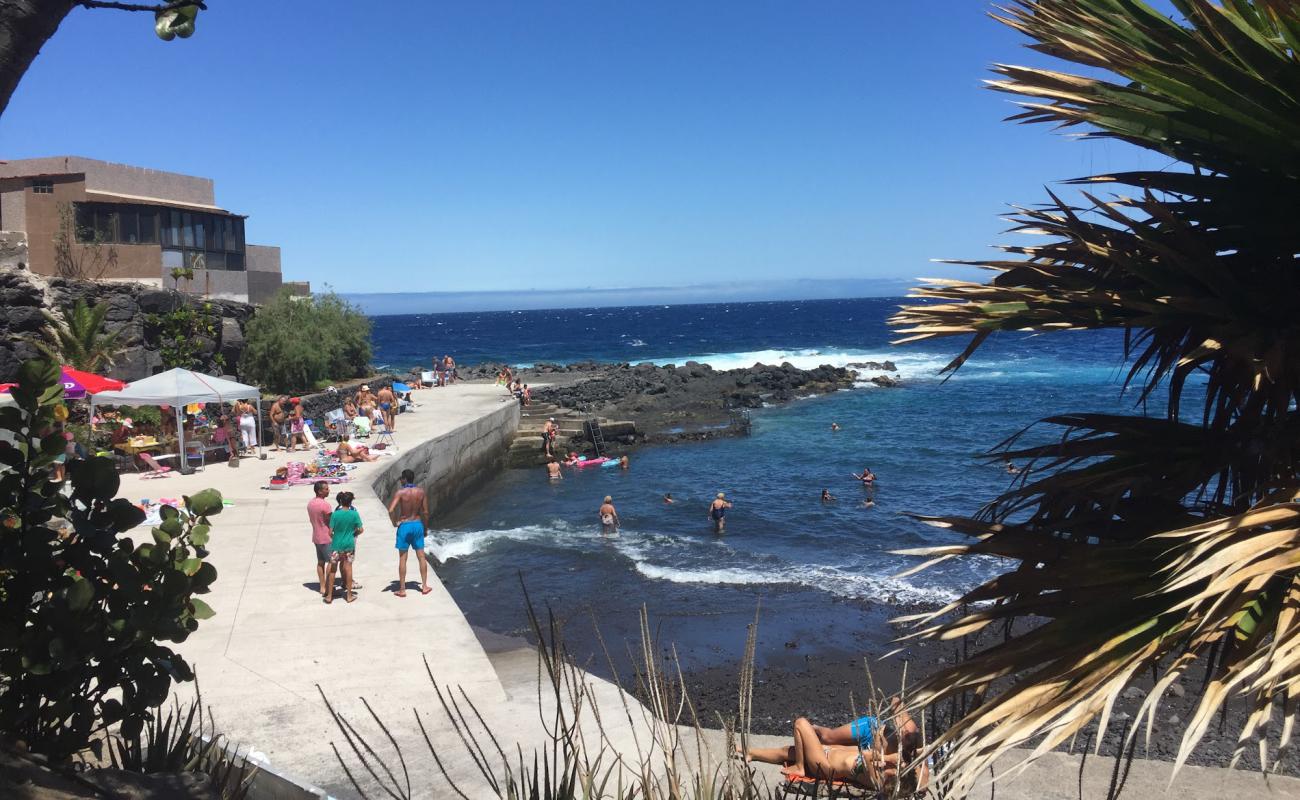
x: 718, y: 512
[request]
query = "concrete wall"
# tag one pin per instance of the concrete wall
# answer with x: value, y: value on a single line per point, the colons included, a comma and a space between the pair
x: 456, y: 463
x: 218, y: 283
x: 105, y: 176
x: 262, y: 286
x: 261, y: 258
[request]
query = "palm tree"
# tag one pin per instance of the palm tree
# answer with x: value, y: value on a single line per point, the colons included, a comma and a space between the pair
x: 78, y: 340
x: 1144, y: 544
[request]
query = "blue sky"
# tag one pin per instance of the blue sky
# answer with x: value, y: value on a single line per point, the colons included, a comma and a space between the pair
x: 507, y: 146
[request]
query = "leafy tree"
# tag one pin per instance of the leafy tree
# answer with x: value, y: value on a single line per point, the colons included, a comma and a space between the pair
x: 1146, y: 543
x: 291, y: 344
x: 78, y: 340
x: 84, y: 610
x: 26, y: 25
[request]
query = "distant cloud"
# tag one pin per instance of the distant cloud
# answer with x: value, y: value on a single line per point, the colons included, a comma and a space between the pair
x: 381, y: 304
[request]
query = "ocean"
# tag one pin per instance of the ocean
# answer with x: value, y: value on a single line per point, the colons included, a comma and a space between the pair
x: 821, y: 575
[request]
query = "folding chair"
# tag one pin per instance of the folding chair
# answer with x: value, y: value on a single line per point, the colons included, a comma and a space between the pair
x: 196, y: 451
x: 156, y: 470
x: 427, y: 378
x: 339, y: 422
x: 309, y: 435
x: 382, y: 434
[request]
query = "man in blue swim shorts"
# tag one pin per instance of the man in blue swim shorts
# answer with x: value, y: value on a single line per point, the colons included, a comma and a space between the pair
x: 409, y: 511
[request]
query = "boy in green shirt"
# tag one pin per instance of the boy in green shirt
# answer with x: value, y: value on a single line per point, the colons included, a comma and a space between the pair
x: 345, y: 527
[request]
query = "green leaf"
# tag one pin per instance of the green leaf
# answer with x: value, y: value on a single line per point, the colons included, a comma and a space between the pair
x: 199, y: 535
x: 161, y: 537
x: 80, y: 593
x: 205, y: 504
x: 201, y: 610
x: 190, y: 566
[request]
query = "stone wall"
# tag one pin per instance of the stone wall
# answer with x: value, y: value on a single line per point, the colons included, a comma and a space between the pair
x: 451, y: 466
x: 24, y: 295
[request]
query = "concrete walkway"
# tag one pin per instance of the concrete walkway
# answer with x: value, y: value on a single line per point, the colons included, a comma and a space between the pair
x: 272, y: 641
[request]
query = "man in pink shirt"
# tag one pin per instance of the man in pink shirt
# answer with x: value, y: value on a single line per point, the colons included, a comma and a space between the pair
x: 318, y: 511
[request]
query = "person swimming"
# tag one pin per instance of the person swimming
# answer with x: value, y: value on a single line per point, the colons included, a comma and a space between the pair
x: 668, y: 499
x: 827, y: 497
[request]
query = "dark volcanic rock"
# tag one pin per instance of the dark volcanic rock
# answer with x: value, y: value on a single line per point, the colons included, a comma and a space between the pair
x: 129, y: 305
x: 687, y: 401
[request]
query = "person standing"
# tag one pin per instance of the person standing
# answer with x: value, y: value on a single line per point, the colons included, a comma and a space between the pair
x: 553, y: 469
x: 548, y: 437
x: 608, y: 517
x: 247, y: 425
x: 718, y: 512
x: 279, y: 423
x: 387, y: 405
x: 318, y: 513
x: 409, y: 511
x: 345, y: 527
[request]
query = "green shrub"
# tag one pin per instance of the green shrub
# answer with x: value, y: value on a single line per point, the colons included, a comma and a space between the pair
x: 84, y: 611
x: 292, y: 344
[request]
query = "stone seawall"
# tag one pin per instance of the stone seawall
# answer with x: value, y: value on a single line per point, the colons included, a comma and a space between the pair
x: 456, y: 463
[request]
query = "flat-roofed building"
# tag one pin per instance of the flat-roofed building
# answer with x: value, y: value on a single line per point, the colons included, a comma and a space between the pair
x: 93, y: 219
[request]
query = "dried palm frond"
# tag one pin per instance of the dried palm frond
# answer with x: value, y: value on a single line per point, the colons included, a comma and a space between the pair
x: 1138, y: 541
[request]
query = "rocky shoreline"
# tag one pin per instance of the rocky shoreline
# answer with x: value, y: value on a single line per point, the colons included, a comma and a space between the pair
x: 690, y: 401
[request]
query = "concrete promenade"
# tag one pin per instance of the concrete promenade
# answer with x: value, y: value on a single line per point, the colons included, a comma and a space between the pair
x: 272, y: 641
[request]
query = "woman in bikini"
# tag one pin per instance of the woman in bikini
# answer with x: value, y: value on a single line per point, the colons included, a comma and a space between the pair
x: 350, y: 453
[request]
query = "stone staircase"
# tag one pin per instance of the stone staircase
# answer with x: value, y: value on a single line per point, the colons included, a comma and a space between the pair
x: 526, y: 449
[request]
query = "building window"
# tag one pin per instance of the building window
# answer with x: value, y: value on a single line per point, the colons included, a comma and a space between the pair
x: 42, y: 187
x: 189, y: 238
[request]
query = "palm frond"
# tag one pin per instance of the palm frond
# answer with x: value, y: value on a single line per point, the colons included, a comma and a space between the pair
x: 1143, y: 542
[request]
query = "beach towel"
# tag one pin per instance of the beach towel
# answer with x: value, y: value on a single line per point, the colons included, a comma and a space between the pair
x: 799, y: 784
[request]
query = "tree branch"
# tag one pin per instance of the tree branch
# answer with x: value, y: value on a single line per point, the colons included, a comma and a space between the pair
x: 157, y: 9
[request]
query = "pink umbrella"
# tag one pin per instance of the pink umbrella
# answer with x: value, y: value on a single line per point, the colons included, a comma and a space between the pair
x: 76, y: 384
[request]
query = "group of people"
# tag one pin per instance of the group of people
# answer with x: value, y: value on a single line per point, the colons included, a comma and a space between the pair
x: 334, y: 532
x: 444, y: 371
x: 877, y: 753
x: 288, y: 425
x: 372, y: 406
x: 717, y: 515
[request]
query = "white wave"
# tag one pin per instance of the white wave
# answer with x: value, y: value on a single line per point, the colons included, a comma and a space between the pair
x: 636, y: 343
x: 844, y: 583
x: 446, y: 545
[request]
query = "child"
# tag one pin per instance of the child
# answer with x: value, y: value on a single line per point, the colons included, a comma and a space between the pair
x: 345, y: 527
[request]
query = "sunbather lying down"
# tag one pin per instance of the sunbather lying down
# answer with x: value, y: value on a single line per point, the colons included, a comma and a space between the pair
x: 351, y: 453
x: 865, y: 753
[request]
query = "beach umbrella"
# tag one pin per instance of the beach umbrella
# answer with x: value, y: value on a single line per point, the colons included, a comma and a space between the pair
x: 88, y: 383
x: 78, y: 384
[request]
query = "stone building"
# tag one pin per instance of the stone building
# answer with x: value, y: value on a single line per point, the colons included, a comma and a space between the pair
x: 83, y: 219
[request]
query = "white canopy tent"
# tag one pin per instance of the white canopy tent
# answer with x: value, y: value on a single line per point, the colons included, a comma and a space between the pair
x: 178, y: 388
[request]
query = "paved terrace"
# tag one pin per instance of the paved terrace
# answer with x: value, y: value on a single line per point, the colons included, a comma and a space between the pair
x: 273, y: 640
